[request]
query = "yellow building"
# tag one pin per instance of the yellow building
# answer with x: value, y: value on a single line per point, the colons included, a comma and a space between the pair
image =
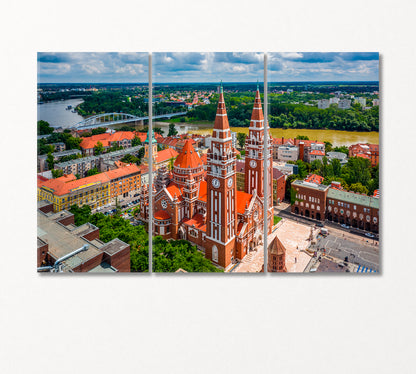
x: 67, y: 190
x: 95, y: 191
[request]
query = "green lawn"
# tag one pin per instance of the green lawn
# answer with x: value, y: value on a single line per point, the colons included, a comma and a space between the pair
x: 276, y: 219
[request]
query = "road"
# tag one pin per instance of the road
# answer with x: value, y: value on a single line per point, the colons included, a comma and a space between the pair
x: 341, y: 243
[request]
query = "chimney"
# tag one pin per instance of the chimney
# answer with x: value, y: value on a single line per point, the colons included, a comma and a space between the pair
x: 301, y: 150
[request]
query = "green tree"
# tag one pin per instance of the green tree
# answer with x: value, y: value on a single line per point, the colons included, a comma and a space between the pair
x: 81, y: 214
x: 336, y: 167
x: 50, y: 160
x: 98, y: 148
x: 92, y: 171
x: 328, y: 147
x: 56, y: 173
x: 343, y: 149
x: 357, y: 170
x: 302, y: 137
x: 171, y: 163
x: 324, y: 169
x: 358, y: 187
x: 44, y: 128
x: 129, y: 159
x: 316, y: 165
x: 241, y: 138
x: 98, y: 130
x: 136, y: 141
x: 302, y: 169
x: 172, y: 130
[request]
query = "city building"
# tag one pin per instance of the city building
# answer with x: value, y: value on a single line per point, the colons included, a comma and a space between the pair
x: 361, y: 100
x: 124, y: 181
x: 287, y: 153
x: 81, y: 166
x: 368, y: 151
x: 96, y: 190
x: 206, y: 208
x: 65, y: 191
x: 58, y: 240
x: 43, y: 164
x: 334, y: 100
x: 341, y: 156
x: 119, y: 138
x: 310, y: 199
x: 59, y: 147
x: 286, y: 169
x: 344, y: 104
x: 316, y: 151
x: 164, y: 157
x: 323, y: 104
x: 320, y: 202
x: 279, y: 186
x: 279, y: 181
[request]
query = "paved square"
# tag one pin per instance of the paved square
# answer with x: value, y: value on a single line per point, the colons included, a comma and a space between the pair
x: 294, y: 236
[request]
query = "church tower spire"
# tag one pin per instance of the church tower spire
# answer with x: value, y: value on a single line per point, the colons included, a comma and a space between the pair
x: 254, y: 161
x: 221, y: 191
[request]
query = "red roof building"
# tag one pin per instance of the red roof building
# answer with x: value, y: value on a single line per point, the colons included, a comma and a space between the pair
x: 204, y: 206
x: 368, y: 151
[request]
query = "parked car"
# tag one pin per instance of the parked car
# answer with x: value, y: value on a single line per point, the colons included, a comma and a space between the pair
x: 320, y: 224
x: 369, y: 235
x: 345, y: 226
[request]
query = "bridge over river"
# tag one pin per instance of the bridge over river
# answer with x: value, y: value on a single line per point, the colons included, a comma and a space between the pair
x: 109, y: 119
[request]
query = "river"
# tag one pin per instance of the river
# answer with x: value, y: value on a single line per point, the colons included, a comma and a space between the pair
x: 57, y: 115
x: 336, y: 137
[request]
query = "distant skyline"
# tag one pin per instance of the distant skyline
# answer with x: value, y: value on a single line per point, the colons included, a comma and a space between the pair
x: 207, y: 67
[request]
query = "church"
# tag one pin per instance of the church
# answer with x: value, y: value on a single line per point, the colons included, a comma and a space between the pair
x: 204, y: 207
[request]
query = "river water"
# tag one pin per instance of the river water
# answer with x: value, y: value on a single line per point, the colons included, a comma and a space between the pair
x: 57, y: 115
x: 336, y: 137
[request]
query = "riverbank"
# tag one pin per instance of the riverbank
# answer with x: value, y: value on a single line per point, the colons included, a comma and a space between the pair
x: 335, y: 137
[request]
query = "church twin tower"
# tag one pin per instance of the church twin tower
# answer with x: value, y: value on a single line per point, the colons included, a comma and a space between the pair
x: 222, y: 220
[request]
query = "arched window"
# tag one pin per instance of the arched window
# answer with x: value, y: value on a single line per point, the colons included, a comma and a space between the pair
x: 215, y: 253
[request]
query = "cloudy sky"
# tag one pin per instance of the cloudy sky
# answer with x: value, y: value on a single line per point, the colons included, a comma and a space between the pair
x: 85, y: 67
x: 318, y: 66
x: 206, y: 67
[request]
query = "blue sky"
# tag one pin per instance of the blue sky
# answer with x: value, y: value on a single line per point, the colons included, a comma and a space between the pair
x: 87, y: 67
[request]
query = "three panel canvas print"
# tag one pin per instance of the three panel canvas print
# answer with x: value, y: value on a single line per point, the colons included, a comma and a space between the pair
x: 197, y: 163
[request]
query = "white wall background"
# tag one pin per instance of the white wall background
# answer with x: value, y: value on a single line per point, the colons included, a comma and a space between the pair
x: 206, y: 324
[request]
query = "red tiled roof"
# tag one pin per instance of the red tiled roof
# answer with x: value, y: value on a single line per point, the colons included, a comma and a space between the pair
x: 202, y: 191
x: 162, y: 214
x: 239, y: 227
x: 188, y: 158
x: 317, y: 153
x: 363, y: 155
x: 174, y: 190
x: 63, y: 185
x: 123, y: 171
x: 197, y: 221
x: 204, y: 158
x: 243, y: 199
x: 165, y: 154
x: 314, y: 178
